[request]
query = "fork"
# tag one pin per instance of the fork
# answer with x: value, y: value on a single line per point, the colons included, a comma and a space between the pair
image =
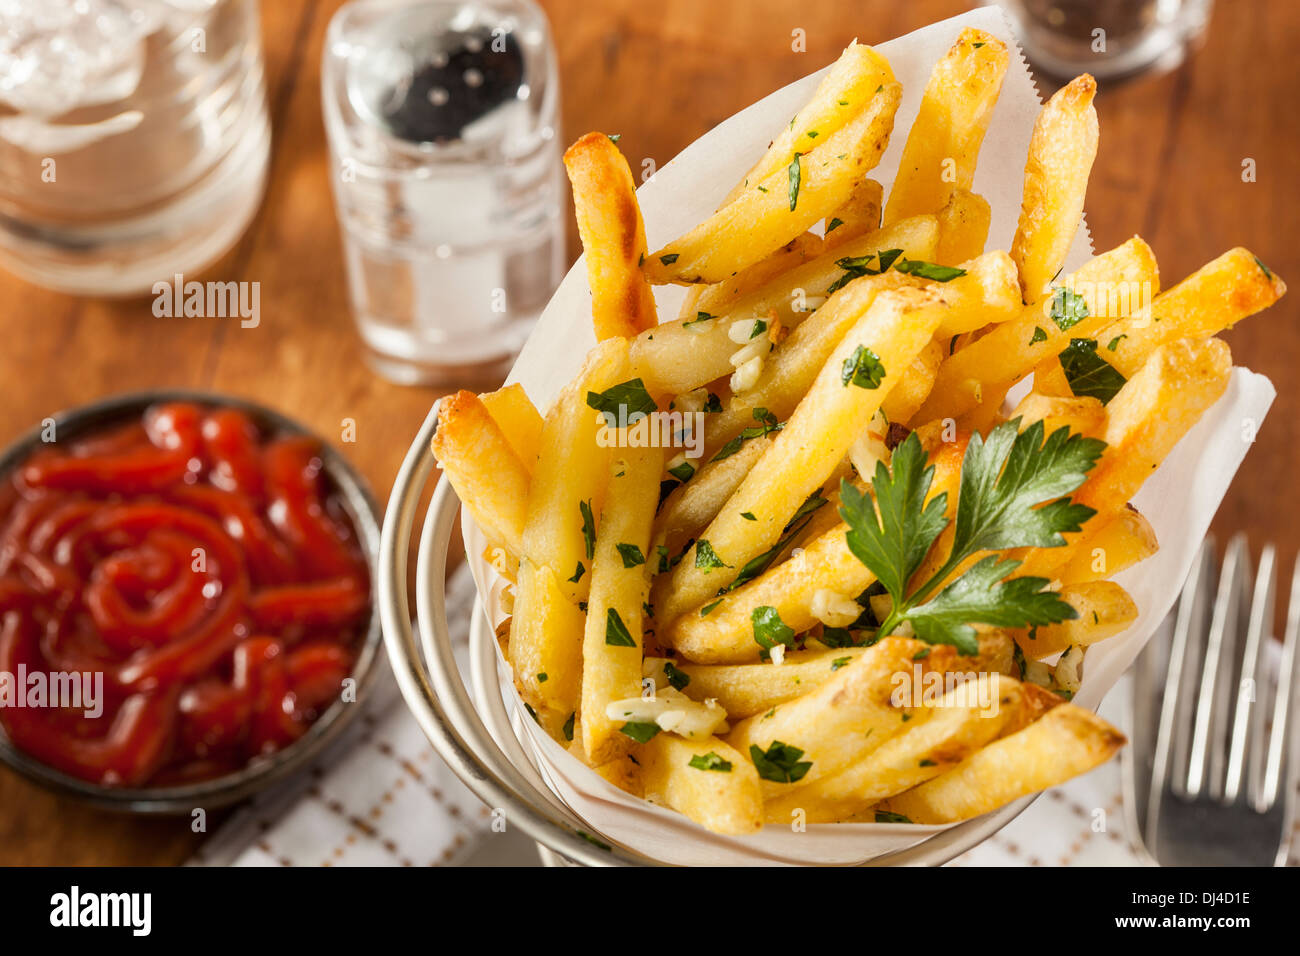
x: 1206, y: 783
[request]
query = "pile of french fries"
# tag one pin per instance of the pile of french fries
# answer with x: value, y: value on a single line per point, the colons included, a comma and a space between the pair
x: 641, y: 576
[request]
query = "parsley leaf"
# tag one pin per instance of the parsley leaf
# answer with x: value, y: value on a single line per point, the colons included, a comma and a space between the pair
x: 710, y: 761
x: 767, y: 424
x: 1068, y: 309
x: 623, y: 404
x: 682, y: 472
x: 1038, y: 336
x: 780, y: 763
x: 884, y: 816
x: 1088, y: 373
x: 567, y: 729
x: 796, y: 173
x: 770, y: 630
x: 706, y: 559
x: 863, y: 368
x: 668, y: 259
x: 928, y: 270
x: 834, y: 224
x: 616, y: 632
x: 631, y: 554
x: 588, y: 530
x: 675, y: 676
x: 894, y: 544
x: 1011, y: 496
x: 640, y: 730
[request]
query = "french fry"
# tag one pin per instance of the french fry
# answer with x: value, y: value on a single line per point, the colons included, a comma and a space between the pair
x: 694, y: 504
x: 1050, y: 380
x: 945, y: 139
x: 1215, y: 297
x: 1011, y: 350
x: 771, y: 211
x: 963, y: 227
x: 482, y: 465
x: 678, y: 357
x: 849, y: 86
x: 518, y: 419
x: 545, y: 639
x: 865, y: 703
x: 1104, y: 608
x: 1086, y: 416
x: 613, y: 237
x: 1066, y: 742
x: 747, y: 689
x: 838, y: 407
x: 1145, y: 420
x: 571, y: 474
x: 1112, y: 547
x: 611, y: 645
x: 903, y: 402
x: 859, y: 216
x: 723, y: 800
x: 937, y: 738
x: 717, y: 299
x: 1061, y: 152
x: 988, y: 294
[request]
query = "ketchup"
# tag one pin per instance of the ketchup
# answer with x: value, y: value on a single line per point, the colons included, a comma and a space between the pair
x: 203, y: 568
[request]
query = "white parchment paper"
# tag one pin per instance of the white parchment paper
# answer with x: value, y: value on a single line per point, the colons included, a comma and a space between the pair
x: 1179, y: 499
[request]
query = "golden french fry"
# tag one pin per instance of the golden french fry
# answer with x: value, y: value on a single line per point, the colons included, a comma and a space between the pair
x: 1085, y: 416
x: 611, y: 646
x: 678, y: 357
x: 1064, y: 743
x: 545, y: 646
x: 694, y: 504
x: 963, y: 227
x: 945, y: 139
x: 1010, y: 351
x: 717, y: 299
x: 839, y: 406
x: 1061, y: 152
x: 705, y: 779
x: 903, y: 402
x: 613, y: 237
x: 771, y: 211
x: 518, y: 419
x: 747, y: 689
x: 988, y: 294
x: 1112, y: 547
x: 938, y: 737
x: 482, y: 465
x: 568, y: 487
x: 1050, y: 380
x: 1104, y: 608
x: 1215, y: 297
x: 859, y: 216
x: 849, y: 86
x: 864, y: 704
x: 1145, y: 420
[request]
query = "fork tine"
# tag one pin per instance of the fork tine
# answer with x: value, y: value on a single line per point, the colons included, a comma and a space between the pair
x: 1279, y: 773
x: 1169, y: 755
x: 1206, y: 758
x: 1246, y: 725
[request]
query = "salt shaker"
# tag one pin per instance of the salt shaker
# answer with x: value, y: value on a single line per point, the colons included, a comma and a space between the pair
x: 441, y: 117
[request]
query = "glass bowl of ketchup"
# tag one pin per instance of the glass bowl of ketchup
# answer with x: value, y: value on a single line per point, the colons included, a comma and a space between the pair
x: 186, y: 600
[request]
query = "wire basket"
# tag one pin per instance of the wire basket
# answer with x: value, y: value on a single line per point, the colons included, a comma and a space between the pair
x: 471, y: 725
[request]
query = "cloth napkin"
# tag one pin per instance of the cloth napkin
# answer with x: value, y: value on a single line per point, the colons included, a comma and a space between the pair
x: 382, y: 797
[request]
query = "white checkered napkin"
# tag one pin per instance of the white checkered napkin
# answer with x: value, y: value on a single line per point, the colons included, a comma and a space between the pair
x: 382, y: 797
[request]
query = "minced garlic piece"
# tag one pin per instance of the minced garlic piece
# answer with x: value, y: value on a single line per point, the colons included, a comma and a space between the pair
x: 834, y: 609
x: 673, y: 711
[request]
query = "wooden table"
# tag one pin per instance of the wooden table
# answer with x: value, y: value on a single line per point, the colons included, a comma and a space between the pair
x: 661, y: 74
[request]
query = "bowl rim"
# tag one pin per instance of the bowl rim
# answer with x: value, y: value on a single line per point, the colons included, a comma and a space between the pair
x: 361, y: 507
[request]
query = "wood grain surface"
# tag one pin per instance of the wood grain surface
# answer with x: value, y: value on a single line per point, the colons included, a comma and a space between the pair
x: 661, y: 74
